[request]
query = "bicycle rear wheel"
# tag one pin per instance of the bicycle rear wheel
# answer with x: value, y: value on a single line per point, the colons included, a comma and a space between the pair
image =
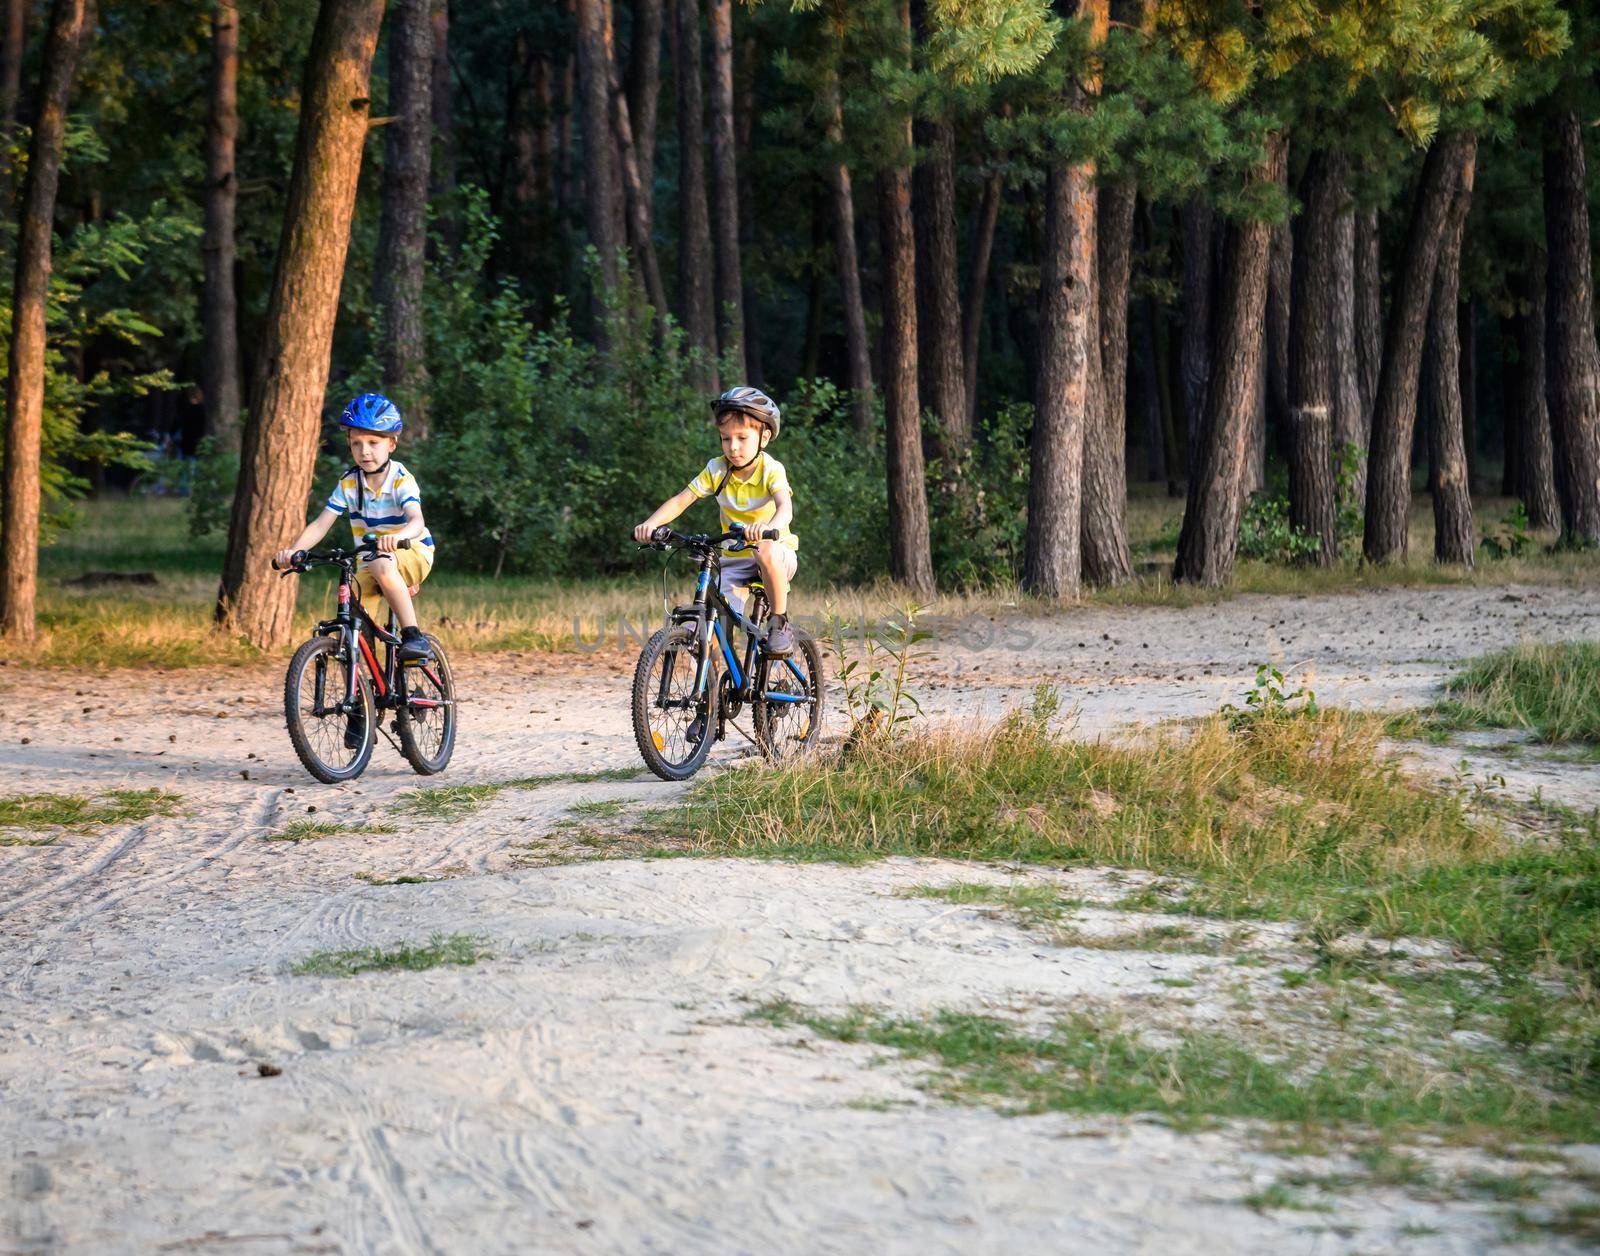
x: 787, y: 713
x: 665, y: 709
x: 318, y: 679
x: 427, y: 718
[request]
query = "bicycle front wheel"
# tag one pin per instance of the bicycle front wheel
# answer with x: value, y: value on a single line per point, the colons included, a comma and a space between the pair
x: 427, y: 717
x: 787, y: 713
x: 673, y: 727
x: 333, y: 745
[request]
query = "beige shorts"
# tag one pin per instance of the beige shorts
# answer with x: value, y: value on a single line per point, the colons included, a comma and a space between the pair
x: 739, y: 569
x: 413, y: 568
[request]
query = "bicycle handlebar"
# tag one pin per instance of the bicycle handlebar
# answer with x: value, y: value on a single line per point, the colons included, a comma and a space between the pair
x: 301, y: 559
x: 666, y: 538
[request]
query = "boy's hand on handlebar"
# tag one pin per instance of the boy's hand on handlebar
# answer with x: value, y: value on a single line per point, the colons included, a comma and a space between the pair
x: 283, y: 559
x: 644, y: 533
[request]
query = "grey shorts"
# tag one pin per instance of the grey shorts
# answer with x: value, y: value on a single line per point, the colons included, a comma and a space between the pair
x: 740, y: 569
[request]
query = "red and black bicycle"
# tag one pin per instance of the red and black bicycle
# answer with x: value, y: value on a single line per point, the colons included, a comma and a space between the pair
x: 336, y: 691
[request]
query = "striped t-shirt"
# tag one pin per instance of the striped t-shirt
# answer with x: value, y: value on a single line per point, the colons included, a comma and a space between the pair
x: 382, y: 512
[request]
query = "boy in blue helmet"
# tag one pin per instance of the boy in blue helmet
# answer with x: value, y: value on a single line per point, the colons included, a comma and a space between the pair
x: 383, y: 501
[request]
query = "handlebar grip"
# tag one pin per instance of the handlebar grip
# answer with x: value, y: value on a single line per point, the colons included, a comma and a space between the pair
x: 770, y: 534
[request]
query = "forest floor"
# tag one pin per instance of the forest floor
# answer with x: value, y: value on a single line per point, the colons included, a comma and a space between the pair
x: 605, y: 1050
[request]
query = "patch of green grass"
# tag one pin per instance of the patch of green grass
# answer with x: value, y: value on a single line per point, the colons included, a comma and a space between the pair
x: 403, y: 879
x: 599, y: 808
x: 1192, y: 1077
x: 80, y: 812
x: 1504, y: 1188
x: 1550, y: 690
x: 1169, y: 939
x: 312, y: 830
x: 1280, y: 1195
x: 1579, y: 1221
x: 1031, y: 904
x: 455, y: 802
x: 440, y: 948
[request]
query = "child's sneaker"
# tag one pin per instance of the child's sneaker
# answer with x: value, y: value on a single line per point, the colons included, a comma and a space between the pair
x: 780, y: 637
x: 414, y: 647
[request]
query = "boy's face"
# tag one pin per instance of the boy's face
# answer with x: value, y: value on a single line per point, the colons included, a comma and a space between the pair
x: 742, y: 439
x: 370, y: 450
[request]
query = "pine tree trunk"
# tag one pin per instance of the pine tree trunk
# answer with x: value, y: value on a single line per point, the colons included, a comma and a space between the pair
x: 403, y: 226
x: 441, y: 95
x: 636, y: 193
x: 1068, y: 350
x: 1194, y: 347
x: 1313, y: 294
x: 1350, y: 412
x: 13, y: 37
x: 603, y: 209
x: 1105, y: 477
x: 746, y: 108
x: 1209, y: 540
x: 219, y: 370
x: 1172, y: 445
x: 644, y: 94
x: 1469, y: 387
x: 943, y: 380
x: 910, y: 553
x: 983, y: 231
x: 1385, y: 538
x: 857, y: 348
x: 695, y: 267
x: 283, y: 428
x: 71, y: 23
x: 1275, y: 414
x: 725, y: 189
x: 1536, y: 479
x: 1510, y: 397
x: 1369, y: 315
x: 1454, y: 539
x: 1574, y: 362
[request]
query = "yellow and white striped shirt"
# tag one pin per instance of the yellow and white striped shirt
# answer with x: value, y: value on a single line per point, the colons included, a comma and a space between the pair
x: 382, y: 512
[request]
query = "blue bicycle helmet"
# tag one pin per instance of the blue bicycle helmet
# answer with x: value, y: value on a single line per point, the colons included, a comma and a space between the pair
x: 372, y: 412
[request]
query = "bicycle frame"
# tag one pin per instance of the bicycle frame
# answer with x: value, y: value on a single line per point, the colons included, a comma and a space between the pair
x: 355, y: 626
x: 706, y: 612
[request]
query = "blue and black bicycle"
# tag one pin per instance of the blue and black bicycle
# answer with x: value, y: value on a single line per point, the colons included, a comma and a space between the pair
x: 690, y: 684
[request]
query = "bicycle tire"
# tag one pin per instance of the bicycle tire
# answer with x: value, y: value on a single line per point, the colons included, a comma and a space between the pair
x: 774, y: 738
x: 677, y: 642
x: 406, y: 726
x: 300, y: 736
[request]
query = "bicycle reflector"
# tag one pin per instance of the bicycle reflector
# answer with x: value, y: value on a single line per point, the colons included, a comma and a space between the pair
x: 655, y: 736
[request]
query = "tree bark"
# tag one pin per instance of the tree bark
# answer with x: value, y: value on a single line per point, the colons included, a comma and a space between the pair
x: 1313, y: 294
x: 441, y: 96
x: 403, y: 225
x: 1454, y: 539
x: 747, y: 75
x: 1194, y: 346
x: 1574, y: 362
x: 983, y: 230
x: 603, y: 210
x: 1468, y: 331
x: 1385, y: 538
x: 644, y: 94
x: 910, y: 552
x: 695, y: 267
x: 71, y: 22
x: 1105, y: 476
x: 219, y: 368
x: 12, y: 39
x: 1350, y: 412
x: 1536, y: 479
x: 1068, y: 350
x: 857, y: 348
x: 1369, y: 314
x: 1274, y: 417
x: 282, y: 431
x: 725, y: 189
x: 1209, y: 540
x: 636, y: 191
x: 943, y: 376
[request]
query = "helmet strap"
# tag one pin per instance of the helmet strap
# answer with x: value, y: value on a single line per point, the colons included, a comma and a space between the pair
x: 361, y: 482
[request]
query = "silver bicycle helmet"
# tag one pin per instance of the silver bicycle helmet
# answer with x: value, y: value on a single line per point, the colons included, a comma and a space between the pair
x: 751, y: 401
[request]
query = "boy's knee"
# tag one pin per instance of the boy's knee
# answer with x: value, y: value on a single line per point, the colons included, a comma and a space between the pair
x: 764, y: 551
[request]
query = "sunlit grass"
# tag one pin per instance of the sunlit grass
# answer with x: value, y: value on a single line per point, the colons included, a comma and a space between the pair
x: 439, y: 949
x: 169, y: 624
x: 42, y: 817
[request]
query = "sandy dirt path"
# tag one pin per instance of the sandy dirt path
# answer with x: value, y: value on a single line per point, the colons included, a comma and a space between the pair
x: 597, y: 1085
